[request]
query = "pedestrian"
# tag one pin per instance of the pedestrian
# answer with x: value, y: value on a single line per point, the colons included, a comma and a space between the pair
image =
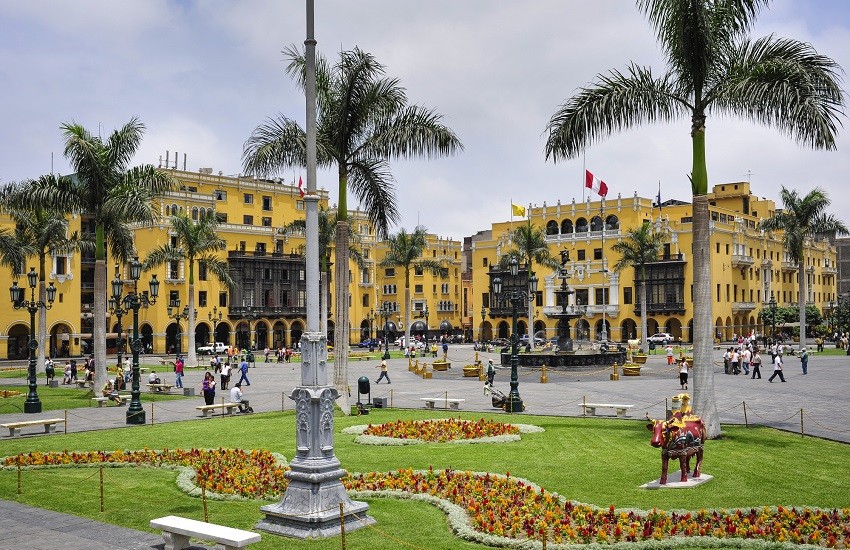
x: 383, y: 367
x: 236, y: 396
x: 736, y: 360
x: 491, y: 372
x: 49, y: 370
x: 746, y: 357
x: 445, y: 348
x: 756, y: 364
x: 669, y: 354
x: 73, y: 371
x: 243, y: 368
x: 777, y: 369
x: 67, y: 373
x: 208, y: 388
x: 128, y: 370
x: 225, y: 376
x: 804, y: 360
x: 266, y: 354
x: 684, y: 368
x: 178, y: 372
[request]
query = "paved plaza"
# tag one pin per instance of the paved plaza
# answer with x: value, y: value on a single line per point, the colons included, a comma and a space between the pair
x: 821, y: 395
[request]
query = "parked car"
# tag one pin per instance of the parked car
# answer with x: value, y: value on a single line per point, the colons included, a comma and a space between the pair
x: 373, y: 342
x: 500, y: 342
x: 538, y: 341
x: 210, y: 349
x: 661, y: 338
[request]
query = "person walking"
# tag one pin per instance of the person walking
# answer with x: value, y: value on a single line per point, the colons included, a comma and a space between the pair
x: 746, y: 359
x: 777, y: 368
x: 383, y: 367
x: 208, y: 388
x: 243, y: 368
x: 684, y: 369
x: 669, y: 354
x: 491, y: 372
x: 804, y: 361
x: 225, y: 375
x: 756, y: 364
x: 178, y: 372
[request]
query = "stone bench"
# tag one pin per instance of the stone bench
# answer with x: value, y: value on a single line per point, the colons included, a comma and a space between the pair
x: 84, y: 383
x: 49, y: 425
x: 207, y: 410
x: 160, y: 387
x: 453, y: 403
x: 590, y: 408
x: 101, y: 401
x: 176, y: 532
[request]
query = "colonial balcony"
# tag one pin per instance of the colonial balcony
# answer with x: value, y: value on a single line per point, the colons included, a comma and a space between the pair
x: 743, y: 307
x: 665, y: 308
x: 611, y: 310
x: 790, y: 267
x: 829, y: 270
x: 767, y: 263
x: 742, y: 260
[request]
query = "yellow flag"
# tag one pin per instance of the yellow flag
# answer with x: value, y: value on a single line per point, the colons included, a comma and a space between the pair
x: 518, y: 210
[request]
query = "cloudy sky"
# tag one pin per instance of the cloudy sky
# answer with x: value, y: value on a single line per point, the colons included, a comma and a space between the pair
x: 203, y: 74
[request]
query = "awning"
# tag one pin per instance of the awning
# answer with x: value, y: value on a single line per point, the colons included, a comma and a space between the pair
x: 417, y: 326
x: 445, y: 326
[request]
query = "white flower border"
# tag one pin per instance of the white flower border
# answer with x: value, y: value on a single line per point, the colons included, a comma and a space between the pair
x: 394, y: 441
x: 185, y: 474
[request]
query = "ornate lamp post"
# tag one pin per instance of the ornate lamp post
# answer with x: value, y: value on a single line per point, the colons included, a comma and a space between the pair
x: 214, y: 316
x: 134, y: 301
x: 175, y: 313
x: 371, y: 318
x: 386, y: 313
x: 772, y: 304
x: 516, y: 297
x: 116, y: 309
x: 425, y: 313
x: 483, y: 316
x: 831, y: 317
x: 16, y: 293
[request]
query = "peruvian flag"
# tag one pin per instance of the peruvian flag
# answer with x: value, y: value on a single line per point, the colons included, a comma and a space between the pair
x: 301, y: 187
x: 592, y: 182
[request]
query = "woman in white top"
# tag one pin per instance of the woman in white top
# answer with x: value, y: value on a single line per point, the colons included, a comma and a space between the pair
x: 684, y: 367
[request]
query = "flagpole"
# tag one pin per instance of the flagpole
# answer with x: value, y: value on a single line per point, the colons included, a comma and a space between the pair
x: 583, y: 172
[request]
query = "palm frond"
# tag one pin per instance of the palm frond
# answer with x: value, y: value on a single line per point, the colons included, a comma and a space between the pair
x: 277, y: 144
x: 372, y: 184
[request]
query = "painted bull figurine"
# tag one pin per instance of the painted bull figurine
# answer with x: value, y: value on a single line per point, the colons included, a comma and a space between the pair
x: 682, y: 436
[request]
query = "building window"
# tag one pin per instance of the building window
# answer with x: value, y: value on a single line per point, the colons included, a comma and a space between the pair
x: 202, y: 298
x: 365, y: 300
x: 299, y: 205
x: 602, y: 296
x: 417, y: 289
x: 222, y: 299
x: 61, y: 265
x: 390, y: 272
x: 248, y: 198
x: 627, y: 295
x: 173, y: 296
x: 202, y: 271
x: 247, y: 220
x: 417, y: 270
x: 484, y: 262
x: 267, y: 203
x: 220, y: 195
x: 597, y: 253
x: 582, y: 296
x: 221, y: 217
x: 266, y: 221
x: 173, y: 269
x: 261, y: 248
x: 581, y: 256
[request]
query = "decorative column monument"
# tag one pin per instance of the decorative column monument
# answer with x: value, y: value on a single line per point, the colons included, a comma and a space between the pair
x: 315, y: 504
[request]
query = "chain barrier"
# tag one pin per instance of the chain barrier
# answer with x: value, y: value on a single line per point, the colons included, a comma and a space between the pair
x: 828, y: 428
x: 750, y: 410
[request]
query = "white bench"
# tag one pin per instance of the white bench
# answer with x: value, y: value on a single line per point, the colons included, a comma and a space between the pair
x: 101, y: 401
x: 453, y: 403
x: 590, y: 408
x: 49, y: 425
x: 164, y: 388
x: 207, y: 410
x: 84, y: 383
x: 176, y: 532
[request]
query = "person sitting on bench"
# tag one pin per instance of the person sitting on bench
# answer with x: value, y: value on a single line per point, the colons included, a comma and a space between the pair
x: 110, y: 390
x: 154, y: 379
x: 236, y: 396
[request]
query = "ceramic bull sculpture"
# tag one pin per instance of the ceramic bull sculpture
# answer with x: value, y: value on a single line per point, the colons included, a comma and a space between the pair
x: 682, y: 436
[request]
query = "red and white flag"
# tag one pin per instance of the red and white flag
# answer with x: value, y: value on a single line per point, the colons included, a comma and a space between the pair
x: 592, y: 182
x: 300, y: 187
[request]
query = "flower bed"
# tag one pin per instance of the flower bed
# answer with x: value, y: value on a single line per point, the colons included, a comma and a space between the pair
x: 442, y: 430
x: 228, y: 472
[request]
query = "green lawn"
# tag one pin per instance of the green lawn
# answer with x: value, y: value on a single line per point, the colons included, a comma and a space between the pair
x: 64, y: 397
x: 596, y: 461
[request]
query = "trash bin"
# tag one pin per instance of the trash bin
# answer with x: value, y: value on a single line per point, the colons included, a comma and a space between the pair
x: 381, y: 402
x: 363, y: 384
x: 652, y: 347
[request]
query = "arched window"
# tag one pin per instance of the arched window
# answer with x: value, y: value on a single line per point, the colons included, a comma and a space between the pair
x: 195, y: 213
x: 596, y: 223
x: 174, y: 210
x: 552, y: 228
x: 612, y: 222
x: 567, y: 227
x: 581, y: 225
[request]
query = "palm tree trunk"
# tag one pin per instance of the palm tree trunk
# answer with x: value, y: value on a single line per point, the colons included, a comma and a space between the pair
x: 704, y: 402
x: 323, y: 306
x: 191, y: 353
x: 407, y: 313
x: 41, y: 332
x: 341, y: 328
x: 644, y: 346
x: 801, y: 274
x: 99, y: 323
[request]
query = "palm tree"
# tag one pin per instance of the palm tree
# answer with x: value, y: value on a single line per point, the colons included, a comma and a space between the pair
x: 712, y: 65
x: 43, y: 231
x: 640, y: 247
x: 113, y: 195
x: 194, y: 242
x: 529, y: 247
x: 363, y: 121
x: 800, y: 220
x: 12, y: 255
x: 327, y: 236
x: 404, y: 250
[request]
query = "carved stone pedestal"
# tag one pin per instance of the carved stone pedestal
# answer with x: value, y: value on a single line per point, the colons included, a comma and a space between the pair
x: 311, y: 506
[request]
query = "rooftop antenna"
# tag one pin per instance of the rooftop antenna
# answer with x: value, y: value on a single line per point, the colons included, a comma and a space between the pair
x: 749, y: 173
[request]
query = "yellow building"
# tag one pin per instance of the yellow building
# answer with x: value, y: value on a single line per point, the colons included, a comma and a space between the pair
x: 748, y: 266
x: 266, y: 306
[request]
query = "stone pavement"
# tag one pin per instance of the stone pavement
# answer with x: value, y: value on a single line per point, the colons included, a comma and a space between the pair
x: 821, y: 395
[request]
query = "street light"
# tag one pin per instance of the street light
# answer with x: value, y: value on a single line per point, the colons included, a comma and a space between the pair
x: 386, y: 313
x: 248, y: 316
x: 483, y: 317
x: 831, y: 318
x: 32, y: 403
x: 425, y: 313
x: 134, y: 301
x: 115, y: 309
x: 772, y: 304
x: 214, y: 316
x: 516, y: 296
x: 175, y: 313
x: 371, y: 318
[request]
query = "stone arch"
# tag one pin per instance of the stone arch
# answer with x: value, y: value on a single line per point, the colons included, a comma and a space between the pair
x: 718, y: 329
x: 612, y: 222
x: 596, y: 223
x: 582, y: 330
x: 673, y: 326
x: 521, y: 328
x: 261, y: 334
x: 146, y: 336
x: 599, y: 327
x: 652, y: 326
x: 540, y: 330
x: 628, y: 330
x: 222, y: 332
x: 504, y: 329
x: 243, y: 335
x: 18, y: 338
x: 60, y: 340
x: 551, y: 227
x: 581, y: 225
x: 567, y: 227
x: 487, y: 331
x: 173, y: 339
x: 202, y: 333
x: 365, y: 329
x: 296, y: 329
x: 729, y: 329
x: 195, y: 212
